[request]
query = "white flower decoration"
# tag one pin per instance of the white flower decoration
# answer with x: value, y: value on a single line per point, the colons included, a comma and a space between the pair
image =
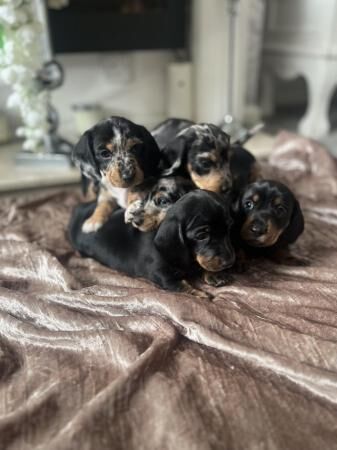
x: 20, y: 58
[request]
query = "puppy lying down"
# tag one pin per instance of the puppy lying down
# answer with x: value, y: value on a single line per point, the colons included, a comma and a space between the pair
x: 193, y: 238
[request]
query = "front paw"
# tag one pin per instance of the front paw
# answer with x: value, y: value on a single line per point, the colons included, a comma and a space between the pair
x: 188, y: 289
x: 200, y: 294
x: 291, y: 260
x: 91, y: 225
x: 217, y: 279
x: 132, y: 210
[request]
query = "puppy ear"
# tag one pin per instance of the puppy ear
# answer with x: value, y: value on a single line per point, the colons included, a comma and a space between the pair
x: 296, y: 225
x: 152, y: 153
x: 84, y: 157
x: 235, y: 206
x: 173, y: 156
x: 170, y: 242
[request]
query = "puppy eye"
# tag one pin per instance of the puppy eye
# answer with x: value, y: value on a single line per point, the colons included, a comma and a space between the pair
x: 162, y: 201
x: 205, y: 163
x: 202, y: 234
x: 280, y: 210
x: 248, y: 205
x: 105, y: 154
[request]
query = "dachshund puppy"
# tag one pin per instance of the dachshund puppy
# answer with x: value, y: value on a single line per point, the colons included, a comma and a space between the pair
x: 202, y: 152
x: 193, y: 235
x: 147, y: 213
x: 267, y: 218
x: 115, y: 153
x: 167, y: 130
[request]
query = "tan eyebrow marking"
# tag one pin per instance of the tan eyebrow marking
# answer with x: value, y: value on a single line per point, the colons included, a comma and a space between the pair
x: 277, y: 201
x: 131, y: 142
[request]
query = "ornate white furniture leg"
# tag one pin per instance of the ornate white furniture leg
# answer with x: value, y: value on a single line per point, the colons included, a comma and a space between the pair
x: 301, y: 39
x: 321, y: 77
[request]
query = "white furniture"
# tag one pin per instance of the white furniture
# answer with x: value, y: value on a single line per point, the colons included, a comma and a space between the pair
x: 301, y: 39
x: 212, y: 65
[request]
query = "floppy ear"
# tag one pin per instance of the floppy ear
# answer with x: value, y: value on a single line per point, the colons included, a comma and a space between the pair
x: 296, y: 225
x: 174, y: 156
x: 152, y: 155
x: 84, y: 157
x: 170, y: 242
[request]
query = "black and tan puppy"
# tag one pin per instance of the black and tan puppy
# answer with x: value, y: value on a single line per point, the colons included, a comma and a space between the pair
x: 194, y: 235
x: 268, y: 217
x: 149, y: 210
x: 116, y: 153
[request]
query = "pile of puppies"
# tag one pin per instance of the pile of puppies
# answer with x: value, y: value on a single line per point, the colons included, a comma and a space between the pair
x: 178, y: 203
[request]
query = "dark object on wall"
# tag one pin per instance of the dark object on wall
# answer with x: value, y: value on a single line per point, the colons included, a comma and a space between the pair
x: 106, y: 25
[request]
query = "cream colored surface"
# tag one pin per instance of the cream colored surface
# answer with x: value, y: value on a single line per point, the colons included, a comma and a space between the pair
x: 261, y: 144
x: 15, y: 177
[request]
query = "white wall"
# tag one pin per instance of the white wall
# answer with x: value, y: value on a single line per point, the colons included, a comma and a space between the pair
x: 132, y: 84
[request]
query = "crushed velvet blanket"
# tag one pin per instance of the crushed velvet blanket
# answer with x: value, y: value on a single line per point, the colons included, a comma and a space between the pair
x: 91, y: 359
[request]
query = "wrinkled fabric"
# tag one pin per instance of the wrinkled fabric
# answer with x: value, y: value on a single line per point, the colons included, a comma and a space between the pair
x: 92, y: 359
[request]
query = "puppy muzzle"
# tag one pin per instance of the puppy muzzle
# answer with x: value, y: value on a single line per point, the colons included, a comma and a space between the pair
x: 216, y: 263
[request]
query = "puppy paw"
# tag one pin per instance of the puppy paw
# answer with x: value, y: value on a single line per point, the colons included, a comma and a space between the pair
x: 131, y: 211
x: 200, y: 294
x: 217, y: 279
x: 91, y: 225
x: 296, y: 261
x: 188, y: 289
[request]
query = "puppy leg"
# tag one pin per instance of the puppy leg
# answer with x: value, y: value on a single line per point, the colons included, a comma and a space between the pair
x: 105, y: 205
x: 217, y: 279
x: 186, y: 288
x: 241, y: 261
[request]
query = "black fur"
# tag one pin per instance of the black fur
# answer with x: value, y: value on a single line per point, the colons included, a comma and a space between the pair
x: 284, y: 214
x: 167, y: 130
x: 198, y: 224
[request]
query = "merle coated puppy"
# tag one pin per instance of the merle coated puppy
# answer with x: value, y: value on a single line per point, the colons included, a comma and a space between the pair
x: 115, y: 153
x: 268, y: 218
x: 202, y: 152
x: 150, y: 209
x: 194, y: 235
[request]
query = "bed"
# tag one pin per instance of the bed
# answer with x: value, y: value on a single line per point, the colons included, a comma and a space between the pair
x: 91, y: 359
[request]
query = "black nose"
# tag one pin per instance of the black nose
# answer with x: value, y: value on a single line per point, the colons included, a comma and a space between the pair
x: 258, y: 227
x: 127, y: 175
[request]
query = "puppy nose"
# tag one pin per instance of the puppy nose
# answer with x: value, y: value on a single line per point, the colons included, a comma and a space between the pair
x: 127, y: 175
x: 258, y: 228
